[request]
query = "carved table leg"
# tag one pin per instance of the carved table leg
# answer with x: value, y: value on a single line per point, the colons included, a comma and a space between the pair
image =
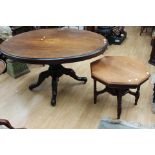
x: 72, y: 74
x: 56, y: 71
x: 6, y: 123
x: 119, y: 104
x: 54, y: 90
x: 42, y: 77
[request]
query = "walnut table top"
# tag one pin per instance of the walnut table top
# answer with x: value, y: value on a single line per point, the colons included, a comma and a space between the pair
x: 54, y: 46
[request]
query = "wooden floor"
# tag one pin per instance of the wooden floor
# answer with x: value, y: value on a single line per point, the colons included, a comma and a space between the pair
x: 75, y: 108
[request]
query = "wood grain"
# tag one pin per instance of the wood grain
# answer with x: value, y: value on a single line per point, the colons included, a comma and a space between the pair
x: 47, y: 45
x: 120, y: 70
x: 76, y: 109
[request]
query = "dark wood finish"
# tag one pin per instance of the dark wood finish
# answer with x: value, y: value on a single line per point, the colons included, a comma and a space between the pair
x: 119, y: 92
x: 152, y: 59
x: 116, y: 72
x: 21, y: 29
x: 90, y: 28
x: 152, y: 55
x: 54, y: 46
x: 154, y: 94
x: 6, y: 123
x: 56, y: 71
x: 144, y: 29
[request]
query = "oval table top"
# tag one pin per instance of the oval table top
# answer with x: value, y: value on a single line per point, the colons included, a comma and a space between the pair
x: 54, y: 46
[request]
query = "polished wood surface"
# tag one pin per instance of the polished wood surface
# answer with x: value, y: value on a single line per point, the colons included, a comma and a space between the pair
x: 54, y: 45
x: 119, y: 74
x: 2, y: 66
x: 120, y: 70
x: 76, y: 109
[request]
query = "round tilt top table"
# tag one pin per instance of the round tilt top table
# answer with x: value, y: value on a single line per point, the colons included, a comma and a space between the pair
x: 54, y: 47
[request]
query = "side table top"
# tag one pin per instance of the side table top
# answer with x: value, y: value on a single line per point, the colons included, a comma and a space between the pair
x: 120, y: 70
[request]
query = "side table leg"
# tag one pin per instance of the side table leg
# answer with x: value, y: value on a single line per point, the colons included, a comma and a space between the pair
x: 154, y: 94
x: 119, y: 104
x: 42, y: 77
x: 137, y: 94
x: 95, y: 92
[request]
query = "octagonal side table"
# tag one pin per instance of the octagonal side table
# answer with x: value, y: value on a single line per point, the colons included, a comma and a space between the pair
x: 119, y: 74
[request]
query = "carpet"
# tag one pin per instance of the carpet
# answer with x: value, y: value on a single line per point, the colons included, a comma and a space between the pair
x: 107, y: 123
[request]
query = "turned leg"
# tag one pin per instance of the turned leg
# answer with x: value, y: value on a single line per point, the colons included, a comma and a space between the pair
x: 72, y: 74
x: 54, y: 90
x: 42, y: 77
x: 119, y: 104
x: 137, y: 94
x: 95, y: 92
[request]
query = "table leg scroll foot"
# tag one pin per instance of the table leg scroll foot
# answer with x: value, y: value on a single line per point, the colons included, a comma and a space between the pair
x: 6, y: 123
x: 42, y: 77
x: 72, y: 74
x: 56, y: 71
x: 53, y: 101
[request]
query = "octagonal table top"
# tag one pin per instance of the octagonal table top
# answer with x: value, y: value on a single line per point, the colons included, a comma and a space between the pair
x: 119, y: 70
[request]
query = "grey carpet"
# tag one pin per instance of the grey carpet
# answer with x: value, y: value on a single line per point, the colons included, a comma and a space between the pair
x: 107, y: 123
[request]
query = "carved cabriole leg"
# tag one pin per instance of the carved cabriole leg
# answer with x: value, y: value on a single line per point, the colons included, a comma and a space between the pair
x: 72, y: 74
x: 137, y: 95
x: 56, y: 71
x: 95, y: 92
x: 119, y: 104
x: 6, y: 123
x: 42, y: 77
